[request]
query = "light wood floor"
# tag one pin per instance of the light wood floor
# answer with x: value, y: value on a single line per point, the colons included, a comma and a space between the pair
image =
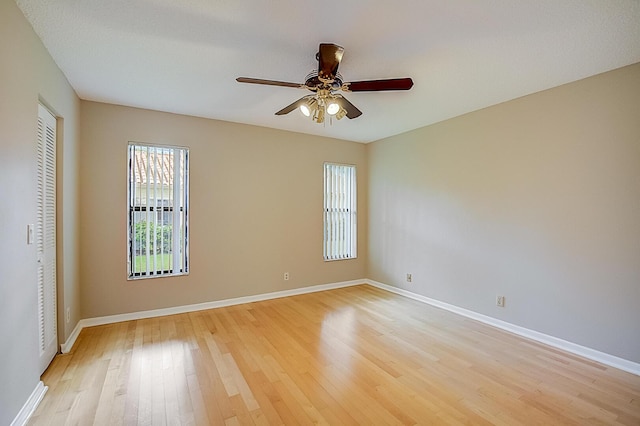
x: 357, y: 355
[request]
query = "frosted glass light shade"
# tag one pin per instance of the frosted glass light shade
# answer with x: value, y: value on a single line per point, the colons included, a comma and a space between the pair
x: 333, y: 108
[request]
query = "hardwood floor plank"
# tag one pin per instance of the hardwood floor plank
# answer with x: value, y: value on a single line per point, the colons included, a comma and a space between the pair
x: 133, y: 374
x: 356, y: 355
x: 200, y: 415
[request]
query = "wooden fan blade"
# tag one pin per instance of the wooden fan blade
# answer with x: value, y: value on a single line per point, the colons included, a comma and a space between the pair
x: 289, y: 108
x: 329, y: 57
x: 352, y: 111
x: 269, y: 82
x: 379, y: 85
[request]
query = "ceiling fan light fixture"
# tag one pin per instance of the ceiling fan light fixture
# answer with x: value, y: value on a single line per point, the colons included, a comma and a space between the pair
x: 309, y: 106
x: 333, y: 108
x: 341, y: 113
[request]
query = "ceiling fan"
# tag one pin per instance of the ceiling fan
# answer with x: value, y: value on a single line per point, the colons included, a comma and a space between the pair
x: 325, y: 83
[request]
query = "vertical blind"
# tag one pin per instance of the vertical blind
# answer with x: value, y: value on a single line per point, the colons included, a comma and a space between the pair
x: 158, y: 210
x: 340, y: 236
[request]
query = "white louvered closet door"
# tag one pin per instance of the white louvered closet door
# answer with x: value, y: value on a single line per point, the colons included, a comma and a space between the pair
x: 46, y: 237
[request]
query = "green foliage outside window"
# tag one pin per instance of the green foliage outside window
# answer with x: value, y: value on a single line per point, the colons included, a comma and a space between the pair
x: 160, y: 237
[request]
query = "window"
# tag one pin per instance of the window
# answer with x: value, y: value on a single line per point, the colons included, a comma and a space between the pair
x: 340, y: 236
x: 158, y: 220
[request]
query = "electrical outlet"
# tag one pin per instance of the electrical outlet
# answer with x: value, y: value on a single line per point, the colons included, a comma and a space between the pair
x: 500, y: 301
x: 68, y: 314
x: 286, y: 276
x: 409, y: 278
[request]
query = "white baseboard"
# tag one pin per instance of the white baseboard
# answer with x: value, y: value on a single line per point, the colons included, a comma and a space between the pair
x: 110, y: 319
x: 66, y: 346
x: 30, y: 406
x: 592, y: 354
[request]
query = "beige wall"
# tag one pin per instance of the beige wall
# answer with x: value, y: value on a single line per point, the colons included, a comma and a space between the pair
x: 537, y: 199
x: 255, y: 209
x: 27, y: 74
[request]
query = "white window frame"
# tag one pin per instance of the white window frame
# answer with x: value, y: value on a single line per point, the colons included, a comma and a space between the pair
x: 150, y: 176
x: 340, y: 211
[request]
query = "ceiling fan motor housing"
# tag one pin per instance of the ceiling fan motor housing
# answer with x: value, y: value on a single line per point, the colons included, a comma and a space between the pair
x: 314, y: 82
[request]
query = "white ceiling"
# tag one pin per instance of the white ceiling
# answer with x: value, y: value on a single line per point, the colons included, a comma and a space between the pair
x: 463, y: 55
